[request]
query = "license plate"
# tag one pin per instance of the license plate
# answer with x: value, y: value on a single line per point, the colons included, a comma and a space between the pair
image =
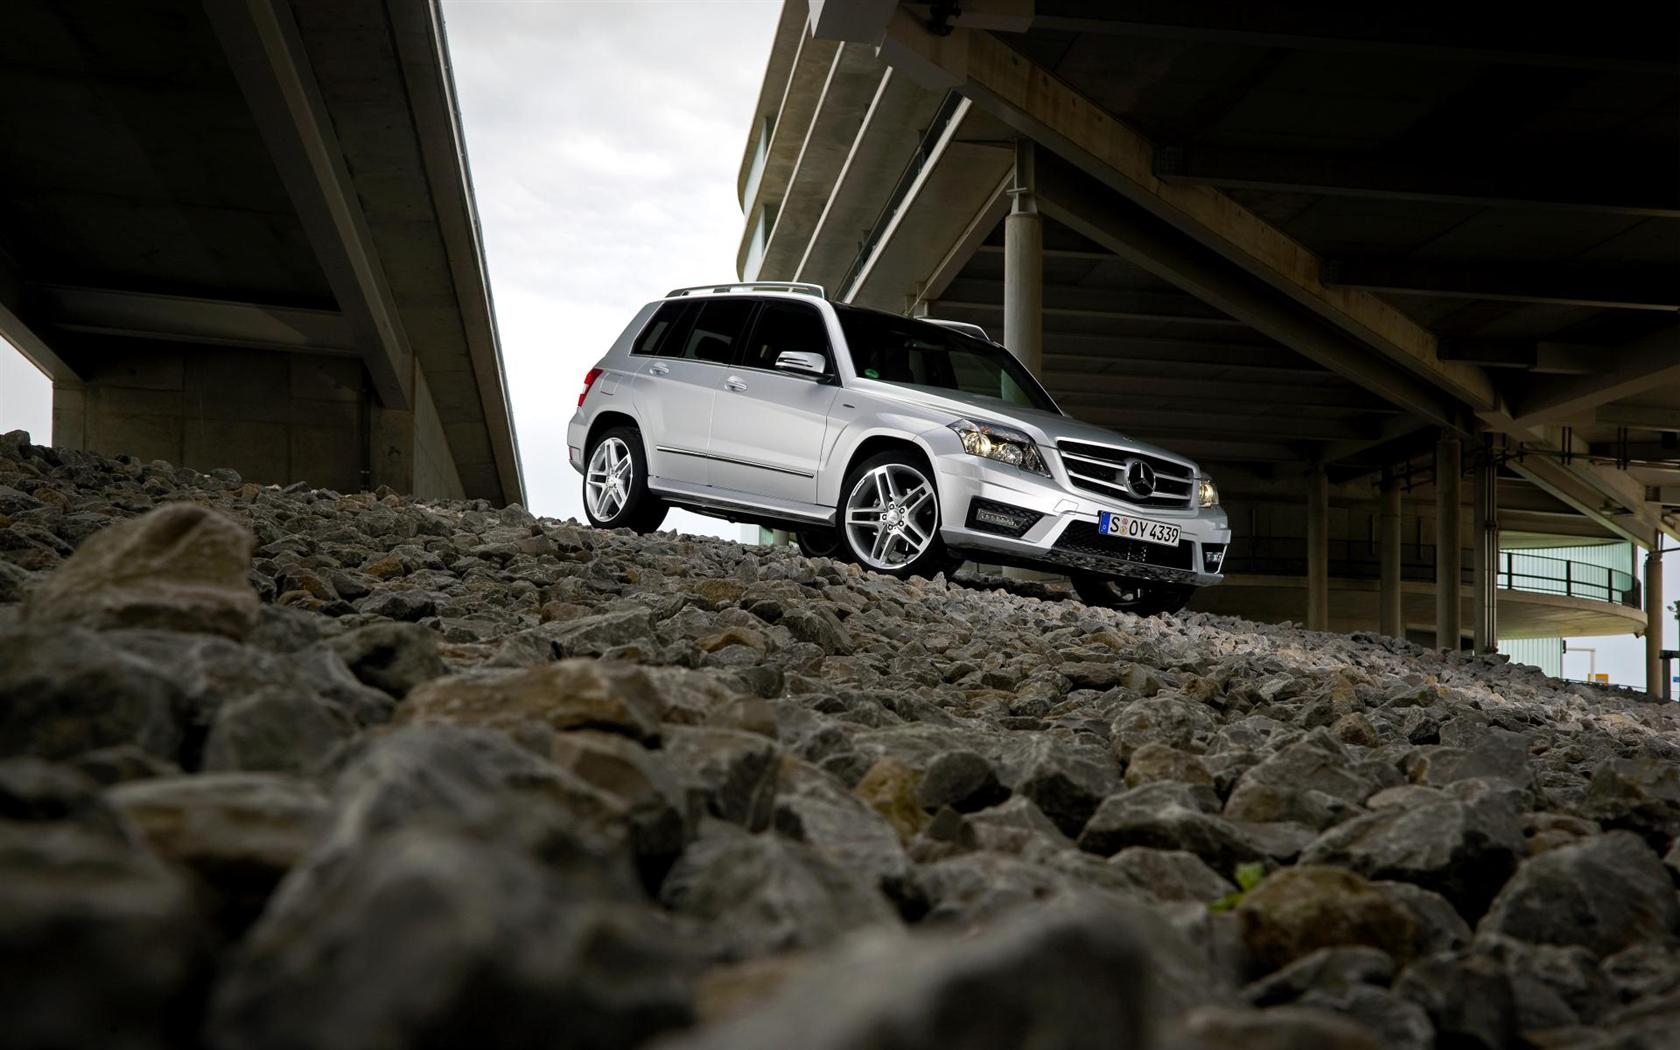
x: 1127, y: 527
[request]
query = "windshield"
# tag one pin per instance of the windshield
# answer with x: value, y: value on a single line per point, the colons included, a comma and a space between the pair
x: 916, y: 354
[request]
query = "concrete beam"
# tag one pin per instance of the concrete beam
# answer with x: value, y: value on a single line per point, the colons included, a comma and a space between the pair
x: 885, y: 141
x: 1091, y: 208
x: 1195, y: 357
x: 1644, y: 187
x: 423, y: 49
x: 1539, y: 357
x: 1626, y: 371
x: 1643, y: 287
x: 854, y: 21
x: 1639, y: 417
x: 1145, y: 307
x: 979, y: 227
x: 181, y: 319
x: 263, y: 47
x: 1036, y: 103
x: 35, y: 350
x: 1566, y: 43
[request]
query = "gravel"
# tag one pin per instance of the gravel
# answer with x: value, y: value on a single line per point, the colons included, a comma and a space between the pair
x: 292, y: 767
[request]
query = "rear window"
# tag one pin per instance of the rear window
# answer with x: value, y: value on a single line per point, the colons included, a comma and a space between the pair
x: 656, y: 339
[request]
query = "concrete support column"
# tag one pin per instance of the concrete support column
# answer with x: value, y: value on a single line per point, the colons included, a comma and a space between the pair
x: 1486, y: 529
x: 1391, y: 617
x: 1448, y: 557
x: 1023, y: 283
x: 1318, y: 549
x: 1654, y: 617
x: 1023, y: 266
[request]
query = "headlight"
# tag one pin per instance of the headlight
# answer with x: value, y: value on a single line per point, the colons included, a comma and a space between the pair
x: 1207, y: 493
x: 1000, y: 443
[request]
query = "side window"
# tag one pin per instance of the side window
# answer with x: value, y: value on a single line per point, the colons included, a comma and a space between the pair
x: 717, y: 330
x: 657, y: 334
x: 785, y: 326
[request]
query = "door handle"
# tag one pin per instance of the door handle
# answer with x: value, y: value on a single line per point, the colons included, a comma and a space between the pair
x: 659, y: 370
x: 735, y: 383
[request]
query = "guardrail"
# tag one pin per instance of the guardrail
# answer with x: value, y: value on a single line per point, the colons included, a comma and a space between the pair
x: 1515, y: 570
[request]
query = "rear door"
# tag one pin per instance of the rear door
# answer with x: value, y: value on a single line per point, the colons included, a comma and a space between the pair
x: 768, y: 426
x: 679, y: 373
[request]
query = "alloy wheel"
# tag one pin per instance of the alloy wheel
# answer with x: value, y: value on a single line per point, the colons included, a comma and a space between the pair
x: 891, y: 516
x: 607, y: 483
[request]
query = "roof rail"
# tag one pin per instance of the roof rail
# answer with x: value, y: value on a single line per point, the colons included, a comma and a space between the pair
x: 754, y: 286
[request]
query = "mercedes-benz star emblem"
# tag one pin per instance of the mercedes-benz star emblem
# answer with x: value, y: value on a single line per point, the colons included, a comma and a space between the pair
x: 1140, y: 477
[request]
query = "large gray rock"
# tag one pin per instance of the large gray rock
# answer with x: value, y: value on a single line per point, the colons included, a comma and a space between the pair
x: 180, y: 568
x: 1070, y: 975
x: 1469, y: 999
x: 1313, y: 781
x: 1639, y: 794
x: 67, y: 691
x: 571, y: 694
x: 274, y: 730
x: 427, y: 939
x: 1169, y: 816
x: 1462, y: 846
x: 1066, y: 778
x: 1299, y: 910
x: 762, y: 894
x: 239, y: 832
x: 99, y: 942
x: 1605, y: 893
x: 813, y: 807
x: 728, y: 773
x: 394, y: 657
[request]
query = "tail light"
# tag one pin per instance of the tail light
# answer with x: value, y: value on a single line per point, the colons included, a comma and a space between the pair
x: 588, y: 381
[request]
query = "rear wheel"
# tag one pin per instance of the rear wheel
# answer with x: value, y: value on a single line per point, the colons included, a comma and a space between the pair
x: 615, y: 492
x: 818, y: 542
x: 1133, y: 596
x: 889, y: 516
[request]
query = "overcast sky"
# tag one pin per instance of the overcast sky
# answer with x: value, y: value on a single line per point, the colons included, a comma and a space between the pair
x: 605, y: 137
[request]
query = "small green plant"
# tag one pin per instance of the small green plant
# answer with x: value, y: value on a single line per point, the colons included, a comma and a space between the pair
x: 1248, y: 876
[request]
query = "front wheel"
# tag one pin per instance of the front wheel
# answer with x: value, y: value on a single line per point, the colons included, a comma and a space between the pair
x: 1133, y: 596
x: 615, y: 492
x: 889, y: 515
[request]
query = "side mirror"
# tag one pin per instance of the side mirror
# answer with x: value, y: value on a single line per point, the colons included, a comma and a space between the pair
x: 801, y: 363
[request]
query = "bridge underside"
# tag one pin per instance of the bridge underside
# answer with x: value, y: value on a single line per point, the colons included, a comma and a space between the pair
x: 1438, y: 268
x: 240, y: 233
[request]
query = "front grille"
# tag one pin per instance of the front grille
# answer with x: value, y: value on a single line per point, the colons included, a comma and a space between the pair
x: 1082, y: 538
x: 1101, y: 470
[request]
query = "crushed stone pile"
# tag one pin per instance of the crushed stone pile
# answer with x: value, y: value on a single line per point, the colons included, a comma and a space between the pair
x: 292, y: 768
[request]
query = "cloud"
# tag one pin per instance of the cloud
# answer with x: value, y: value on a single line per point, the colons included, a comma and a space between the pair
x: 604, y: 139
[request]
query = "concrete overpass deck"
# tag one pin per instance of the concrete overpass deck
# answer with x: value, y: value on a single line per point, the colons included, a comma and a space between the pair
x: 241, y: 233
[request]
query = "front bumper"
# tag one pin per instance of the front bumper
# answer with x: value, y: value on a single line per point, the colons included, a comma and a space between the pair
x: 963, y: 478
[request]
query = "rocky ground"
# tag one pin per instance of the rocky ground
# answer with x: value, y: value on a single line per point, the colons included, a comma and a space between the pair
x: 295, y: 768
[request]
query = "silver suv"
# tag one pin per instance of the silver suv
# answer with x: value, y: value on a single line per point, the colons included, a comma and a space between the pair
x: 907, y: 446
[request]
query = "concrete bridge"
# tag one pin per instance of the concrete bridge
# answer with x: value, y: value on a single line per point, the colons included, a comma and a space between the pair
x: 1390, y: 276
x: 241, y: 233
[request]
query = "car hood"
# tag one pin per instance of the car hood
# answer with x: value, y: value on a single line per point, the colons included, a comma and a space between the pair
x: 1046, y: 428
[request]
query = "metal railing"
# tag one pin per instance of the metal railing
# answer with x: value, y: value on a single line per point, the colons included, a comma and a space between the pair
x: 1362, y: 560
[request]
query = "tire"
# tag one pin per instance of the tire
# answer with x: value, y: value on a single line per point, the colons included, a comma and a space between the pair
x: 627, y: 504
x: 1144, y: 599
x: 903, y: 482
x: 818, y: 542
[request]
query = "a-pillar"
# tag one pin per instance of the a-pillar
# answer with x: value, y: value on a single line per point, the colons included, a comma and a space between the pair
x: 1654, y: 617
x: 1485, y: 604
x: 1391, y: 615
x: 1448, y: 556
x: 1318, y: 549
x: 1023, y: 266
